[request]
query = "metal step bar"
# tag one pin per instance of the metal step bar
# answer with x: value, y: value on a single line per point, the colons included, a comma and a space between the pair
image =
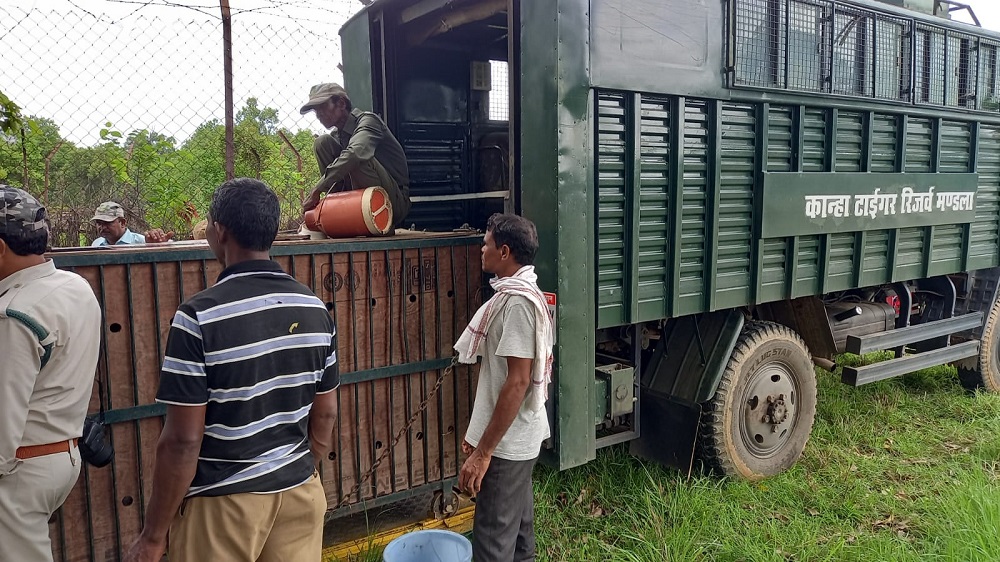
x: 910, y: 334
x: 857, y: 376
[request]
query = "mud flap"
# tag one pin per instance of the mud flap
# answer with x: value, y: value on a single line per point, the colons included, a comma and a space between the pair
x: 669, y: 430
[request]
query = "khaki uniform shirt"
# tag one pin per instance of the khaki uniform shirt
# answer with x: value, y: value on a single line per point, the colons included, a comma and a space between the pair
x: 366, y: 136
x: 45, y: 405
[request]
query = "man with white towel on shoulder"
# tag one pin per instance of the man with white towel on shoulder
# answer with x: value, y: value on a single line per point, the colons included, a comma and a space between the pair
x: 512, y: 332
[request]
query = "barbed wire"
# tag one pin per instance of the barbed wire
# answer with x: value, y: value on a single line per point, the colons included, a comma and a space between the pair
x: 125, y: 102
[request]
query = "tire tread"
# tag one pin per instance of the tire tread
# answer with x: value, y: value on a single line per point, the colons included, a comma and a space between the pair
x: 711, y: 448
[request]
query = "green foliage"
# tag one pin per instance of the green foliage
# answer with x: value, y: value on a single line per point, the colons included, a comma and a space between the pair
x: 162, y: 183
x: 10, y: 116
x: 41, y: 136
x: 265, y: 120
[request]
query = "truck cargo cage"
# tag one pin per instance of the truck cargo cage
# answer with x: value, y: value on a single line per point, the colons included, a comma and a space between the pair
x: 856, y: 50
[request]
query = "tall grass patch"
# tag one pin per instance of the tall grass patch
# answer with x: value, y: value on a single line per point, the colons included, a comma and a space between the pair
x: 905, y: 469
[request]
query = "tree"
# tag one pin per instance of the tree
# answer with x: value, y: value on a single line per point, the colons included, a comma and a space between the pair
x: 12, y: 126
x: 34, y: 141
x: 160, y: 182
x: 264, y: 120
x: 10, y: 116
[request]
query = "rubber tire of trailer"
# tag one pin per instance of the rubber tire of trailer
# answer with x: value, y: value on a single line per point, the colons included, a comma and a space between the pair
x: 723, y: 445
x: 984, y: 371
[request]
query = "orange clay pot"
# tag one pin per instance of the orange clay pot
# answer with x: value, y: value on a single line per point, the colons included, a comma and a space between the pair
x: 360, y: 212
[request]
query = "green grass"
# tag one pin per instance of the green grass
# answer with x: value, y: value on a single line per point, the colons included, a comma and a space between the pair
x: 906, y: 469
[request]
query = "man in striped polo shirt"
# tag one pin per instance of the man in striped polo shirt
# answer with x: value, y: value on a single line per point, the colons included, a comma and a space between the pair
x: 248, y: 380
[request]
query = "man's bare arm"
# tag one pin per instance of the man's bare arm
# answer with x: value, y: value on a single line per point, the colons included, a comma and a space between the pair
x: 322, y: 419
x: 509, y: 402
x: 176, y: 462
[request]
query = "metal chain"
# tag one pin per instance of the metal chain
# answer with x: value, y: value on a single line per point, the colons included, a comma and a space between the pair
x: 399, y: 435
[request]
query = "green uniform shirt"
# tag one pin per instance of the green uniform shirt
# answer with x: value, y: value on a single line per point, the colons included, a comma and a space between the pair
x: 365, y: 136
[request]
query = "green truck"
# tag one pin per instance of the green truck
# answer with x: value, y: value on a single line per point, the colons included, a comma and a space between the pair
x: 728, y: 192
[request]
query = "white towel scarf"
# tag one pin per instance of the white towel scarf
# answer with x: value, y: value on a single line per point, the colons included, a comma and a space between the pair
x: 523, y: 283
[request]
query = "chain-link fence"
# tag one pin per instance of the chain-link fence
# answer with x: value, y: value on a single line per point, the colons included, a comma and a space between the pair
x: 124, y: 101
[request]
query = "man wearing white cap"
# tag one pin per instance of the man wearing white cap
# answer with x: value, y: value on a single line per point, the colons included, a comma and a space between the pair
x: 364, y: 152
x: 110, y: 222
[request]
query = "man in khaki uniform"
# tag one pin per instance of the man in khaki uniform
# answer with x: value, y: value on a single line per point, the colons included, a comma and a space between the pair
x: 50, y: 333
x: 364, y: 152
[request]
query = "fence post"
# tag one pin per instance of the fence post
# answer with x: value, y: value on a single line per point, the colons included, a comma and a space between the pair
x: 227, y: 69
x: 48, y: 160
x: 24, y: 159
x: 298, y: 161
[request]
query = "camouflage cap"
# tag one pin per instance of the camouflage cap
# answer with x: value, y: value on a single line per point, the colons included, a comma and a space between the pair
x: 21, y: 213
x: 108, y: 212
x: 320, y: 93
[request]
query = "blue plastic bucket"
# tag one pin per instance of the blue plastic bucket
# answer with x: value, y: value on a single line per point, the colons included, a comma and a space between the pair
x: 429, y: 546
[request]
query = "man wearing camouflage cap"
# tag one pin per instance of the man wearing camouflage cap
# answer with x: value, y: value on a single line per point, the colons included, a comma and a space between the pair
x: 110, y: 221
x: 50, y: 333
x: 364, y: 152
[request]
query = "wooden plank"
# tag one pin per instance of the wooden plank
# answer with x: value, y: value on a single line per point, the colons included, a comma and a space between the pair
x: 147, y: 344
x: 449, y: 444
x: 100, y: 540
x: 363, y: 430
x: 149, y: 434
x: 416, y: 450
x: 347, y: 449
x: 144, y: 330
x: 399, y: 456
x: 380, y: 414
x: 449, y: 438
x: 120, y: 393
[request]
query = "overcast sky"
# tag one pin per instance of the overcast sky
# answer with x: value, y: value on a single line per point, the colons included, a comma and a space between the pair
x: 144, y: 64
x: 988, y: 12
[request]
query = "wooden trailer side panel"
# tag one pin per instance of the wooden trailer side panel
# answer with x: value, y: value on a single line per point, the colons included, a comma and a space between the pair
x: 399, y: 307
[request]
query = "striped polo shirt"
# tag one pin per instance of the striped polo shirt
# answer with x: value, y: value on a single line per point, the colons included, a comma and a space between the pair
x: 255, y: 349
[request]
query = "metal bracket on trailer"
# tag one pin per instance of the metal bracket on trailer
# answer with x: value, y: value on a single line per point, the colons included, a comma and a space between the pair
x: 939, y: 329
x: 857, y: 376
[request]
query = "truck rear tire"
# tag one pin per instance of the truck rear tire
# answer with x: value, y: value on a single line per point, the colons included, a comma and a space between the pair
x: 984, y: 371
x: 760, y: 418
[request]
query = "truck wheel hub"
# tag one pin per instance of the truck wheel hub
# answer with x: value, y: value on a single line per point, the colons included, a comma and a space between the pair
x: 776, y: 410
x: 768, y: 409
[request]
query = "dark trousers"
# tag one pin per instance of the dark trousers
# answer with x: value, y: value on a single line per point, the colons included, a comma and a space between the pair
x: 504, y: 525
x: 369, y: 174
